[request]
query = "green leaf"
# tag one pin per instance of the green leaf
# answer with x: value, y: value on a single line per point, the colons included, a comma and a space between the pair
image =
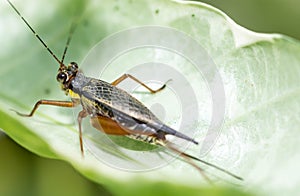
x: 260, y: 74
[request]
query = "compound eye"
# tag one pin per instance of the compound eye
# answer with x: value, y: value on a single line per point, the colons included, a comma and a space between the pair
x: 61, y: 77
x: 73, y: 66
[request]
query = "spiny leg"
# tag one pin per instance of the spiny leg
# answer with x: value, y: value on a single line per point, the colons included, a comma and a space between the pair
x: 125, y: 76
x: 185, y: 156
x: 68, y: 104
x: 189, y: 159
x: 214, y: 166
x: 82, y: 114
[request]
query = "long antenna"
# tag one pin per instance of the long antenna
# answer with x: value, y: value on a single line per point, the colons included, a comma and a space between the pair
x: 36, y: 35
x: 72, y: 29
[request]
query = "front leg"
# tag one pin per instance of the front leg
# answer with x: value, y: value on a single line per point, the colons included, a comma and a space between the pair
x: 68, y: 104
x: 81, y: 115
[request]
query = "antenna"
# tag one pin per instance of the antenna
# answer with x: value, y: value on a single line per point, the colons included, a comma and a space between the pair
x: 72, y: 29
x: 36, y: 35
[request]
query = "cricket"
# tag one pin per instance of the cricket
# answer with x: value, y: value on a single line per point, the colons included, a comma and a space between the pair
x: 111, y: 109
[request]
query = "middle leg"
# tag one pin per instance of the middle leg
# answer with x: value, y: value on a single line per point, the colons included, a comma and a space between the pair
x: 125, y: 76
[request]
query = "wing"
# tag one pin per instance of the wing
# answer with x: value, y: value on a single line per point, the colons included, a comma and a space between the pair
x: 123, y: 108
x: 116, y: 99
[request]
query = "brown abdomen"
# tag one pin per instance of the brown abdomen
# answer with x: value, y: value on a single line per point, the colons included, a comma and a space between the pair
x: 108, y: 126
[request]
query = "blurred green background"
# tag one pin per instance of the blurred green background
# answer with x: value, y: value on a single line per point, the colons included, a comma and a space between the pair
x: 267, y: 16
x: 33, y: 175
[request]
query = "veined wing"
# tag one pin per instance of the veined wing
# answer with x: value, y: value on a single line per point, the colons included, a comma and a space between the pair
x: 129, y: 112
x: 117, y: 100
